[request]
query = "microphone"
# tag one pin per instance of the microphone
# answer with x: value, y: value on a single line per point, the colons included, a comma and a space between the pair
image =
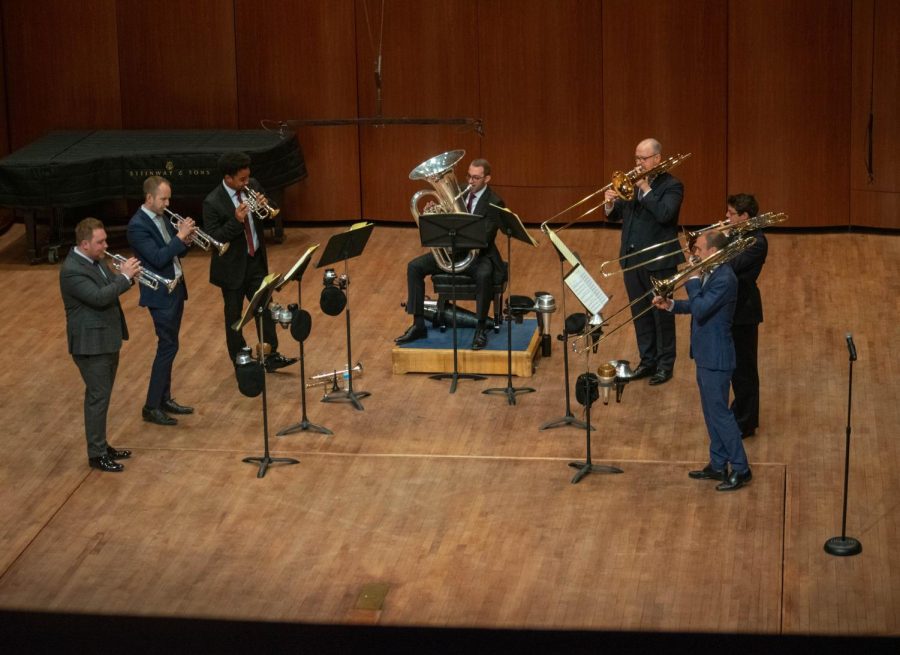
x: 851, y: 347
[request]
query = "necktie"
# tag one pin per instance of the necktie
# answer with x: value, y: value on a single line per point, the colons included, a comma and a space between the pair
x: 248, y: 231
x: 470, y: 203
x: 100, y: 268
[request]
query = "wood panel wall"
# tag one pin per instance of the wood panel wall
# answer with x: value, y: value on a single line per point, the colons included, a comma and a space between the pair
x: 771, y: 96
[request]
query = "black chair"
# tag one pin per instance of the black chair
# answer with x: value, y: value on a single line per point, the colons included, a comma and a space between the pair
x: 465, y: 290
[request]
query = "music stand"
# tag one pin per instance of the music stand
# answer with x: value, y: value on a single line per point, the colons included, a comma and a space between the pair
x: 296, y: 274
x: 453, y: 231
x: 255, y: 309
x: 344, y: 246
x: 513, y: 228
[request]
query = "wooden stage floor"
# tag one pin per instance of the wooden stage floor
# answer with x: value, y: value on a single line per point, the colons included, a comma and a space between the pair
x: 435, y: 509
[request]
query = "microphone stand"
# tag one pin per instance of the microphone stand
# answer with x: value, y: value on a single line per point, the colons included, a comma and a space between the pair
x: 349, y: 395
x: 569, y: 417
x: 844, y: 545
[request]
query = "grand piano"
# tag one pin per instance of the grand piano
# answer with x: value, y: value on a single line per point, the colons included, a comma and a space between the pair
x: 66, y: 170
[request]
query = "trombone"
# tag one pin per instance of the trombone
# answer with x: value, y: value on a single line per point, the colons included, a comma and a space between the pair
x: 740, y: 229
x: 148, y: 278
x: 259, y: 204
x: 622, y: 184
x: 201, y: 238
x: 665, y: 288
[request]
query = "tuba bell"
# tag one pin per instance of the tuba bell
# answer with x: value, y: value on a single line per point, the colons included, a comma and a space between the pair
x: 439, y: 172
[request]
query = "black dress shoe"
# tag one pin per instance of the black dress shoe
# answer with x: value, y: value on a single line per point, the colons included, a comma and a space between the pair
x: 748, y: 433
x: 642, y: 371
x: 105, y: 463
x: 112, y: 453
x: 172, y: 407
x: 735, y: 481
x: 661, y: 377
x: 156, y: 415
x: 707, y: 473
x: 479, y: 341
x: 276, y: 361
x: 413, y: 333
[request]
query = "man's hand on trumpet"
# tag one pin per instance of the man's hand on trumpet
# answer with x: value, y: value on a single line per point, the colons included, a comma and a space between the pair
x: 241, y: 211
x: 187, y: 228
x: 131, y: 268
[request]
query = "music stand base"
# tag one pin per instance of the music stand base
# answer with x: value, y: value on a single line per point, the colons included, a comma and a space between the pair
x: 266, y: 461
x: 509, y: 391
x: 587, y: 467
x: 568, y: 419
x: 346, y: 396
x: 303, y: 426
x: 843, y: 546
x: 456, y: 377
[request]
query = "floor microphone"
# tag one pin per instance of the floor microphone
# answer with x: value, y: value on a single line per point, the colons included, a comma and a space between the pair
x: 851, y: 347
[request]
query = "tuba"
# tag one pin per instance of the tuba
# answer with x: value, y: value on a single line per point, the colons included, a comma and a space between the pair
x: 439, y: 172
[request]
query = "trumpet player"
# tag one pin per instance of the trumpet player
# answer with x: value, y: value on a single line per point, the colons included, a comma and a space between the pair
x: 650, y: 217
x: 95, y: 329
x: 711, y: 300
x: 240, y: 270
x: 159, y: 246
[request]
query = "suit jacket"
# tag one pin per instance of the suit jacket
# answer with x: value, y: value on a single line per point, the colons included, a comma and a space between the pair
x: 747, y: 266
x: 492, y: 217
x: 711, y: 307
x: 156, y: 255
x: 229, y: 270
x: 652, y: 220
x: 95, y: 324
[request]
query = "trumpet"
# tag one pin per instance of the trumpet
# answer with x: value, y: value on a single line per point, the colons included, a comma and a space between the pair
x: 201, y: 238
x: 148, y: 278
x: 665, y: 288
x: 333, y: 377
x: 259, y: 204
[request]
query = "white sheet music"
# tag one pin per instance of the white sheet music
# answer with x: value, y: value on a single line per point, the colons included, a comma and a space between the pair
x: 586, y: 289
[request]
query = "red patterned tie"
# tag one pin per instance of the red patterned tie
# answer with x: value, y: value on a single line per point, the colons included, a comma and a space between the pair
x: 247, y: 231
x: 471, y: 202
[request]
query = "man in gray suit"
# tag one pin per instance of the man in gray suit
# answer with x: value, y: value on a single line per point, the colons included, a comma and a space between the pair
x: 95, y: 327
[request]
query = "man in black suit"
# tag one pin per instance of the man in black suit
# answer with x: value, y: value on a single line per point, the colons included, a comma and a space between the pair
x: 239, y: 272
x: 485, y: 268
x: 748, y: 315
x: 95, y: 328
x: 159, y: 247
x: 651, y: 217
x: 711, y: 300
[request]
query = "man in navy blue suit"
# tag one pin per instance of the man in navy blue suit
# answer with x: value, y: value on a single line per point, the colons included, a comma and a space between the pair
x: 159, y: 245
x: 711, y: 301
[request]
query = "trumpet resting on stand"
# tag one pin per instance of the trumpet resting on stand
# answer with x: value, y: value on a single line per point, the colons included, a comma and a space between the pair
x: 332, y: 378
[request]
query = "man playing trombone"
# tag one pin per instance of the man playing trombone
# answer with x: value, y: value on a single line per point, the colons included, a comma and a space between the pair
x: 159, y: 246
x: 712, y: 293
x: 651, y: 217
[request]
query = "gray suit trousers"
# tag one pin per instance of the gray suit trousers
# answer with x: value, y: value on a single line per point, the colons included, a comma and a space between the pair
x: 99, y: 374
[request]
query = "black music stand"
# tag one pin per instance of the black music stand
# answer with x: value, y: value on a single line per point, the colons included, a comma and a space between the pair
x: 296, y: 274
x: 512, y: 227
x: 344, y: 246
x: 453, y: 231
x: 569, y: 417
x: 255, y: 309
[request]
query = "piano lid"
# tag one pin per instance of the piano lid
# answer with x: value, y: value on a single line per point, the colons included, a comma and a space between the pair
x: 75, y: 168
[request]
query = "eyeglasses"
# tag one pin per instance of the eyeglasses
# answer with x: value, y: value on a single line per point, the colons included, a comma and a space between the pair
x: 640, y: 159
x: 475, y: 177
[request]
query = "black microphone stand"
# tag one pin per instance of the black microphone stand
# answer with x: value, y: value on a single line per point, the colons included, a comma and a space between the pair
x: 844, y: 545
x: 266, y: 460
x: 304, y: 424
x: 510, y: 391
x: 569, y: 417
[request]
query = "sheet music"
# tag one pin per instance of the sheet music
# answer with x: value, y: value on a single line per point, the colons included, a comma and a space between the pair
x: 563, y: 248
x: 300, y: 262
x: 531, y: 239
x: 586, y: 289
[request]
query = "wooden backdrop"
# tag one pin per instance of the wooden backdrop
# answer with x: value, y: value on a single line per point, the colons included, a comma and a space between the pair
x: 772, y: 97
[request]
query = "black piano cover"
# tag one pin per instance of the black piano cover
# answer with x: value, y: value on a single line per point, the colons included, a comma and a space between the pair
x: 71, y: 169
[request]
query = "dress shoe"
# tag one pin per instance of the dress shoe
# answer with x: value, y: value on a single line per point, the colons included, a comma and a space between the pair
x: 156, y: 415
x: 276, y: 361
x: 735, y: 481
x: 172, y: 407
x: 748, y: 433
x: 479, y: 341
x: 112, y: 453
x: 642, y: 371
x: 413, y: 333
x: 105, y: 463
x: 661, y: 377
x: 707, y: 473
